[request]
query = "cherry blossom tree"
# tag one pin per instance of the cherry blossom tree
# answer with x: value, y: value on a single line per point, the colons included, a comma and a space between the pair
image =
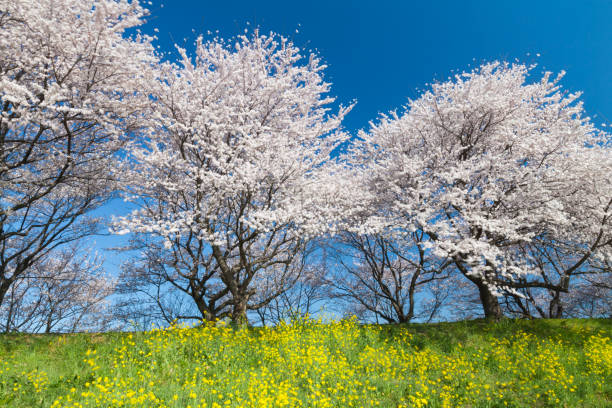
x: 70, y: 82
x: 150, y: 293
x: 591, y: 297
x: 382, y: 277
x: 239, y: 128
x: 157, y: 289
x: 301, y: 298
x: 486, y: 164
x: 585, y: 287
x: 65, y: 291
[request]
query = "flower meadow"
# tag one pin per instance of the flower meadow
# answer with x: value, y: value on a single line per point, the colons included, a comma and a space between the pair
x: 309, y: 363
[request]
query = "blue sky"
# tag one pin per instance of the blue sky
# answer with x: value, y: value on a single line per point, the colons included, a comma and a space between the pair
x: 382, y: 52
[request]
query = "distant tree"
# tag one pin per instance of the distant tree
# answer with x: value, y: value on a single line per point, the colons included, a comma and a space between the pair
x: 239, y: 129
x: 302, y: 298
x: 70, y: 86
x: 381, y: 277
x: 488, y: 164
x: 66, y: 291
x: 587, y: 287
x: 452, y: 298
x: 590, y: 297
x: 147, y: 294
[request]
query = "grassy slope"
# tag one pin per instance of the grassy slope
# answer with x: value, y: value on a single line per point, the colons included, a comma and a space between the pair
x: 511, y: 363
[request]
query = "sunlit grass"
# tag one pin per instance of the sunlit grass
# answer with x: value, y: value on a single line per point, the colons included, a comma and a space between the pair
x: 312, y: 364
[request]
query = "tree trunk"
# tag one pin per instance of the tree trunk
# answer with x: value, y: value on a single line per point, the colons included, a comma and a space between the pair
x: 9, y: 315
x: 48, y: 325
x: 239, y: 316
x: 556, y: 308
x: 490, y: 303
x: 204, y: 310
x: 411, y: 290
x: 4, y: 287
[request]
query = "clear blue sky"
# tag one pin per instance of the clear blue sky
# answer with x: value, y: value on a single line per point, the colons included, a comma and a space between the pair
x: 381, y: 52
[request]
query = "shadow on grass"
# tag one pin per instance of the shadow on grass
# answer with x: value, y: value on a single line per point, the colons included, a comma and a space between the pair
x: 446, y: 336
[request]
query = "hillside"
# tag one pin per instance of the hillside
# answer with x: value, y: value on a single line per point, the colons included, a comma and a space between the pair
x: 542, y: 363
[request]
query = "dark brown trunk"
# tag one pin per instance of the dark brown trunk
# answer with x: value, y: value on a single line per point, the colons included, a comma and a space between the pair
x: 4, y: 287
x: 9, y: 316
x: 490, y: 303
x: 204, y: 310
x: 555, y: 307
x: 239, y: 315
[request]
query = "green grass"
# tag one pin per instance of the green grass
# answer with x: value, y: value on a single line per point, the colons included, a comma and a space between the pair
x: 516, y: 363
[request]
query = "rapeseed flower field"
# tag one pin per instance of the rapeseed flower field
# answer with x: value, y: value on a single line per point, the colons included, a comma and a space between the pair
x: 308, y: 363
